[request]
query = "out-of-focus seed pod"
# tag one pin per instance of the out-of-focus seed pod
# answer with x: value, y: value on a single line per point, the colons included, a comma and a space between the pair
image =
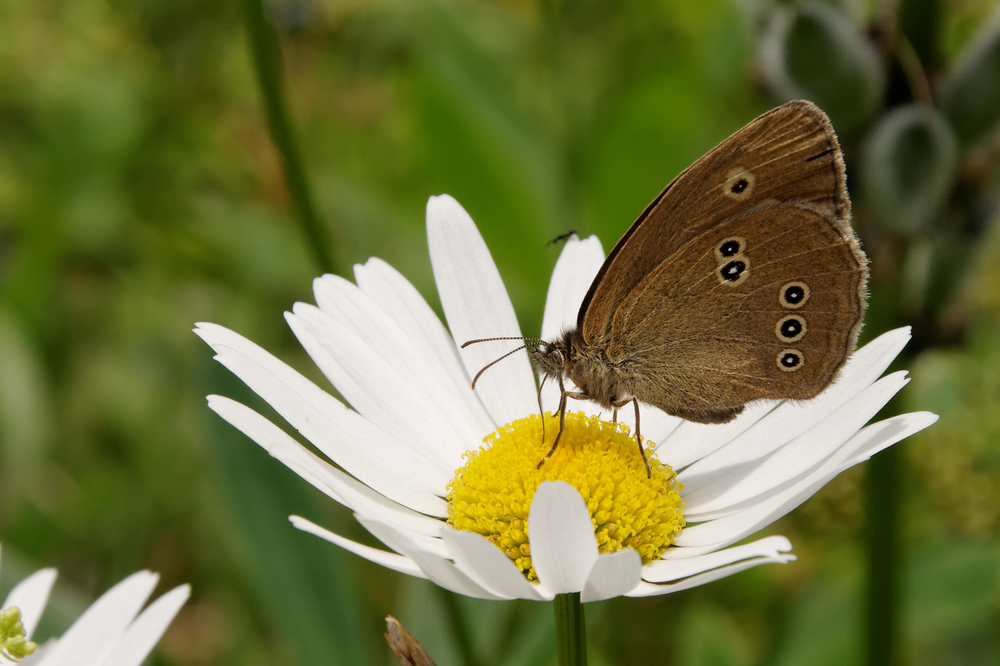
x: 814, y: 51
x: 970, y: 92
x: 908, y: 168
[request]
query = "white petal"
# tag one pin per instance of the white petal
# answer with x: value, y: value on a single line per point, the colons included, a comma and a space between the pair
x: 437, y: 567
x: 744, y: 479
x: 443, y: 572
x: 357, y: 445
x: 405, y: 351
x: 716, y: 534
x: 91, y: 638
x: 388, y: 560
x: 860, y: 447
x: 613, y: 575
x: 690, y: 441
x: 330, y: 480
x: 681, y: 565
x: 655, y: 424
x: 362, y: 499
x: 889, y: 432
x: 650, y: 589
x: 476, y: 305
x: 768, y: 427
x: 378, y: 389
x: 402, y: 541
x: 30, y: 597
x: 561, y: 535
x: 387, y: 287
x: 574, y: 271
x: 143, y: 634
x: 484, y: 563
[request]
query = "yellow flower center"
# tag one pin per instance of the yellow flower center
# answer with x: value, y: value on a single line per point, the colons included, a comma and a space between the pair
x: 492, y: 493
x: 13, y: 643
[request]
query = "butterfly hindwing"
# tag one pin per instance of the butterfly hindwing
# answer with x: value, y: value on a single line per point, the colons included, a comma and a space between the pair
x: 767, y: 304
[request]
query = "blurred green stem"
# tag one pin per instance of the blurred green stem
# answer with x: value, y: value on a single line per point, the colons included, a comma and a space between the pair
x: 459, y: 627
x: 909, y: 62
x: 883, y: 557
x: 267, y: 64
x: 571, y: 634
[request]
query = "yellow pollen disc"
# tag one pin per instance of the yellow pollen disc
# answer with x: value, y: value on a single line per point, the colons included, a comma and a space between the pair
x: 492, y: 493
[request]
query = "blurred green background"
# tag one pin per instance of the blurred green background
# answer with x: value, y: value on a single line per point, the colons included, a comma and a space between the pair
x: 140, y: 192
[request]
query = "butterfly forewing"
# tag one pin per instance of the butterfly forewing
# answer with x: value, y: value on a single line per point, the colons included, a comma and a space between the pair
x: 789, y: 155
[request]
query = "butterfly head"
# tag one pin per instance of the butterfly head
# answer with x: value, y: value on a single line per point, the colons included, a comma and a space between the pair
x: 549, y: 358
x: 554, y: 358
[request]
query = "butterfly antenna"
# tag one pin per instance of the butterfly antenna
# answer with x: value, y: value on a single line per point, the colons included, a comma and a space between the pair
x: 527, y: 340
x: 492, y: 363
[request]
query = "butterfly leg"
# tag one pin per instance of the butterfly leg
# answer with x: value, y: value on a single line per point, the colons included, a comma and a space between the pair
x: 541, y: 412
x: 562, y: 424
x: 638, y: 437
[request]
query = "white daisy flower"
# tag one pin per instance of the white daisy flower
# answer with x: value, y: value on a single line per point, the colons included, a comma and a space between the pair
x: 112, y: 632
x: 409, y: 457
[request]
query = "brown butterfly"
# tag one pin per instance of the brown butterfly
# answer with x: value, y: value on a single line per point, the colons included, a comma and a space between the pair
x: 741, y: 281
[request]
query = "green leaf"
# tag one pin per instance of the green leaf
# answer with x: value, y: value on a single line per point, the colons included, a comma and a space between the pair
x: 26, y: 413
x: 952, y: 586
x: 712, y: 637
x: 823, y: 626
x: 307, y: 588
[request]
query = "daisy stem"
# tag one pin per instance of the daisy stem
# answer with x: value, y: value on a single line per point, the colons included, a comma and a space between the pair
x: 266, y: 52
x: 571, y: 634
x: 882, y: 625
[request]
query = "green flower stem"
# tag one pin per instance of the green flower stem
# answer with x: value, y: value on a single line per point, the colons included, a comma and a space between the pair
x: 571, y: 634
x: 883, y: 558
x: 267, y: 64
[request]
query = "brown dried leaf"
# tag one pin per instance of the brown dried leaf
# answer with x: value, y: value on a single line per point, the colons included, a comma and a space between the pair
x: 408, y: 651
